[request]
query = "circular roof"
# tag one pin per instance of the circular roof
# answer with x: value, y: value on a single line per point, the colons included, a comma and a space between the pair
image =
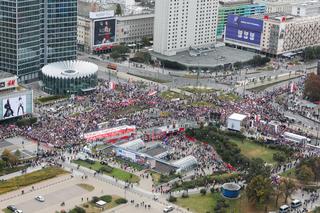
x: 231, y: 186
x: 70, y: 69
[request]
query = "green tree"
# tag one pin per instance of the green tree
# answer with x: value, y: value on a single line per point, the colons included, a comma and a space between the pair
x: 259, y: 190
x: 312, y: 87
x: 118, y: 10
x: 8, y: 157
x: 145, y: 41
x: 257, y: 167
x: 288, y: 186
x: 280, y: 157
x: 305, y: 174
x: 17, y: 153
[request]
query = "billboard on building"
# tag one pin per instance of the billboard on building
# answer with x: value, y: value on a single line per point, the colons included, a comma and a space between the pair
x: 244, y: 30
x: 104, y: 32
x: 16, y: 104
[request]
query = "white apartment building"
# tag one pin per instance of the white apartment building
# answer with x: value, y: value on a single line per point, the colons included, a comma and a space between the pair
x: 181, y: 24
x: 284, y: 34
x: 310, y: 8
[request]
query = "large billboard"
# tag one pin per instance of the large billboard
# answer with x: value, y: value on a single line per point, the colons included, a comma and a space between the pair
x: 104, y: 32
x: 16, y: 104
x: 244, y: 30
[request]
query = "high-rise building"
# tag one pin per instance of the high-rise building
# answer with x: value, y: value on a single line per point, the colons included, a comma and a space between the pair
x: 241, y: 8
x: 34, y: 33
x: 181, y: 24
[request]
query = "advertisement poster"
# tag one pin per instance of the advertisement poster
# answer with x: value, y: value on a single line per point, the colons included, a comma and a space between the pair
x: 13, y: 107
x: 244, y: 29
x: 104, y: 32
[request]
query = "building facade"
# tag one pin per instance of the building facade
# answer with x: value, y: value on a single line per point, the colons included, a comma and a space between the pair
x: 127, y: 29
x: 279, y: 6
x: 238, y: 8
x: 181, y: 24
x: 273, y: 34
x: 284, y: 34
x: 308, y: 8
x: 35, y: 32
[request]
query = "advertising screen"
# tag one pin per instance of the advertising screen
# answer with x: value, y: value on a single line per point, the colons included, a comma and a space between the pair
x: 104, y: 32
x: 244, y: 29
x: 14, y: 106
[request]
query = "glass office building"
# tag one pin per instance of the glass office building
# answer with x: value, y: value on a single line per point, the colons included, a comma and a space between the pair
x: 233, y: 7
x: 34, y: 33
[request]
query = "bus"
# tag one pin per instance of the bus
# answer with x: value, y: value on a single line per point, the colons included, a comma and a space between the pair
x: 112, y: 66
x: 295, y: 138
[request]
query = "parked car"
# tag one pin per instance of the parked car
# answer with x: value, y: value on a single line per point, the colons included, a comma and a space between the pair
x: 168, y: 209
x: 40, y: 198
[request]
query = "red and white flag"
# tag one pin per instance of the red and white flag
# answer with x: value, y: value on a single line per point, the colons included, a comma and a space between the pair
x: 293, y: 87
x: 152, y: 93
x: 112, y: 85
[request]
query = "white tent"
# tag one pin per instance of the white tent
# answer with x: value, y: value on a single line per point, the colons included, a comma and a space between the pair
x: 235, y: 120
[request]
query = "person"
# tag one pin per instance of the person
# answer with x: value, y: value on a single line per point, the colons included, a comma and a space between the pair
x: 9, y: 111
x: 20, y: 107
x: 107, y: 35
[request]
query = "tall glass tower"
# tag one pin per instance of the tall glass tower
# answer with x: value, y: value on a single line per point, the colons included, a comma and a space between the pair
x: 34, y: 33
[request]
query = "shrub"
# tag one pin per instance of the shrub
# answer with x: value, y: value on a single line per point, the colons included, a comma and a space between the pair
x: 95, y: 199
x: 106, y: 198
x: 203, y: 191
x: 90, y: 161
x: 120, y: 201
x: 212, y: 190
x: 172, y: 199
x: 106, y: 169
x: 77, y: 209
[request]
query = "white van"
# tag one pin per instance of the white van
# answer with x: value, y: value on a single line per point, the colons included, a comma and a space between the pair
x: 284, y: 209
x: 296, y: 204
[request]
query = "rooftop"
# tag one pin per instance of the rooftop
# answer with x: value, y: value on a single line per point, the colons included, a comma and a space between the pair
x: 5, y: 75
x: 234, y: 2
x: 236, y: 116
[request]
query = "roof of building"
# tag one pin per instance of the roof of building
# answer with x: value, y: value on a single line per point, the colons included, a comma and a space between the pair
x: 5, y: 75
x: 238, y: 117
x: 70, y: 69
x: 84, y: 8
x: 234, y: 2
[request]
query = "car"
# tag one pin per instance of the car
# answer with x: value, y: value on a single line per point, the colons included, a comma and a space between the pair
x: 12, y: 208
x: 168, y: 209
x: 296, y: 204
x: 18, y: 211
x: 40, y: 198
x: 284, y: 209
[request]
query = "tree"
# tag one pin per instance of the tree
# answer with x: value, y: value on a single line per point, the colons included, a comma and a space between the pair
x: 280, y: 157
x: 17, y: 153
x: 305, y: 174
x: 257, y: 167
x: 8, y: 158
x: 145, y: 41
x: 119, y: 10
x: 288, y: 186
x: 203, y: 191
x: 312, y: 87
x: 259, y: 189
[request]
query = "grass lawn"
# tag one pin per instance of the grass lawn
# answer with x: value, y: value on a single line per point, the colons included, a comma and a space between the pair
x: 92, y: 208
x: 156, y: 177
x: 169, y: 95
x: 6, y: 210
x: 6, y: 171
x: 49, y: 98
x: 228, y: 97
x: 28, y: 179
x: 266, y: 86
x: 85, y: 186
x: 202, y: 204
x: 117, y: 173
x: 198, y: 90
x: 253, y: 150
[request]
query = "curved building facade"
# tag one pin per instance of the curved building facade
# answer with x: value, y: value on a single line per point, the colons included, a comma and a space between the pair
x: 69, y: 77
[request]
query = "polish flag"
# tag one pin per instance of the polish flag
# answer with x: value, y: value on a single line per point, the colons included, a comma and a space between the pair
x: 152, y: 93
x: 293, y: 87
x: 112, y: 85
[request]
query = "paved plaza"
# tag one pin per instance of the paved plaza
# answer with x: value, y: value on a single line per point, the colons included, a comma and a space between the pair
x: 27, y: 147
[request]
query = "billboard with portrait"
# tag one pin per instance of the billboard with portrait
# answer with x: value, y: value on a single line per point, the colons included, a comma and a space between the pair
x: 244, y: 30
x: 104, y: 32
x: 13, y: 107
x: 16, y: 104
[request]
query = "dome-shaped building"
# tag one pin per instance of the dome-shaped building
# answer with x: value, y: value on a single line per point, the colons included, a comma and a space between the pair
x: 69, y: 77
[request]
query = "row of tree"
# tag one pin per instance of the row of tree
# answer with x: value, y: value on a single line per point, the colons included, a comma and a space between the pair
x: 312, y: 53
x: 312, y: 87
